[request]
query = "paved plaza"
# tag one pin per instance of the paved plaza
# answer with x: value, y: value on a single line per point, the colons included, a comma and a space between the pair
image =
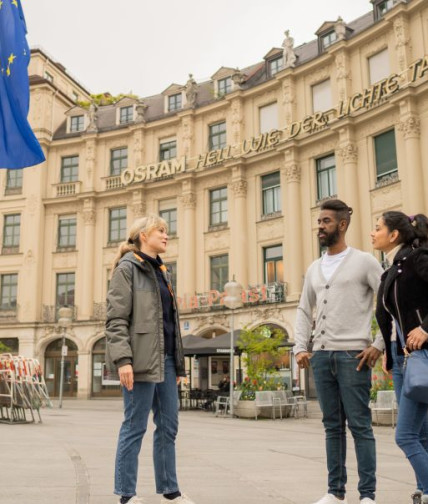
x: 68, y: 459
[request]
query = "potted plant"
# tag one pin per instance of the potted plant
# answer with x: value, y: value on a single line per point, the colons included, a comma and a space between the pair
x: 261, y: 347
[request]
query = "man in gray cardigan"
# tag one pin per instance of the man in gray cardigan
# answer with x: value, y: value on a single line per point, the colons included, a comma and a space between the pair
x: 340, y: 287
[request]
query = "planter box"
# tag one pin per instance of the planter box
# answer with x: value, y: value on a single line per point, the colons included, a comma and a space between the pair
x: 383, y: 417
x: 246, y: 409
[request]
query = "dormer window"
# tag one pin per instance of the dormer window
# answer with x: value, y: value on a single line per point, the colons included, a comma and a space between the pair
x: 49, y: 77
x: 126, y: 114
x: 328, y: 39
x: 174, y: 102
x: 224, y: 86
x: 384, y: 7
x: 77, y: 123
x: 275, y: 66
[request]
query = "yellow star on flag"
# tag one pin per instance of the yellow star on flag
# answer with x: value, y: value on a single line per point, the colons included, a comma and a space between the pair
x: 8, y: 71
x: 11, y: 58
x: 15, y: 3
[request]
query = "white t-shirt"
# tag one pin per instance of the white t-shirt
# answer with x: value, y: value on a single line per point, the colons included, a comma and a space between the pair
x: 330, y: 263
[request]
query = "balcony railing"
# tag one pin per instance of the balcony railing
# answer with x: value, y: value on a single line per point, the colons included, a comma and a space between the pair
x: 67, y: 189
x: 114, y: 182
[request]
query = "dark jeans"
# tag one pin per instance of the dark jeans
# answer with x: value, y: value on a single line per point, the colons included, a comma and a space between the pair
x: 412, y: 425
x: 162, y: 398
x: 344, y: 395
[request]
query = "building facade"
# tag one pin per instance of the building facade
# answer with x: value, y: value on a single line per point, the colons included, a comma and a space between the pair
x: 237, y: 166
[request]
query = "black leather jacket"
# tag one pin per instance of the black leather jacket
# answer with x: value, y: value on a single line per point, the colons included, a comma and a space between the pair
x: 403, y: 295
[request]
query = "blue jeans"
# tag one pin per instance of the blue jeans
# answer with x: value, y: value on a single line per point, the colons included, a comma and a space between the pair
x: 411, y: 434
x: 344, y: 395
x: 162, y: 398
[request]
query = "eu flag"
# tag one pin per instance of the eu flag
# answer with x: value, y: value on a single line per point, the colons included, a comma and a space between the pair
x: 18, y: 145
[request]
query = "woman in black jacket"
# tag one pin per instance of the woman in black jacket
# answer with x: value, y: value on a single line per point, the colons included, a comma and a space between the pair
x: 403, y: 302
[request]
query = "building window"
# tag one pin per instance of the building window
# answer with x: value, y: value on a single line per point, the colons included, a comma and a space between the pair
x: 275, y: 66
x: 168, y: 150
x: 384, y: 7
x: 69, y: 169
x: 14, y: 181
x: 172, y: 268
x: 219, y: 272
x: 217, y: 139
x: 271, y: 193
x: 126, y: 114
x: 328, y: 39
x: 273, y: 264
x: 326, y: 177
x: 65, y: 289
x: 386, y: 155
x: 9, y: 286
x: 11, y: 231
x: 174, y: 102
x: 268, y: 116
x: 224, y: 86
x: 117, y: 225
x: 321, y: 96
x: 75, y: 96
x: 379, y: 66
x: 76, y: 123
x: 49, y: 77
x: 218, y: 206
x: 169, y: 215
x: 66, y: 232
x: 118, y: 161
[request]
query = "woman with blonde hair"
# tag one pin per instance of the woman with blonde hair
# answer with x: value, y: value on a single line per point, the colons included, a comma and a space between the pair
x: 144, y: 348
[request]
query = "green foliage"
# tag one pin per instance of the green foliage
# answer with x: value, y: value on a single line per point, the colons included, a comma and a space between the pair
x: 262, y: 347
x: 105, y: 99
x: 4, y: 348
x: 380, y: 380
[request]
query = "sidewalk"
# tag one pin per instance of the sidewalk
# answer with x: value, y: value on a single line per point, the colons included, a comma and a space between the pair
x: 69, y: 459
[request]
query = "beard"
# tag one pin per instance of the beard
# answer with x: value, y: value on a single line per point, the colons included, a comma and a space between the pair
x: 329, y: 239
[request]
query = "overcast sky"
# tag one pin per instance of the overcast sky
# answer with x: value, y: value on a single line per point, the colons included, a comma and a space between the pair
x: 143, y: 46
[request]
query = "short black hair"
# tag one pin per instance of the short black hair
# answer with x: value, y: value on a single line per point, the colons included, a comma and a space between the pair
x: 342, y: 210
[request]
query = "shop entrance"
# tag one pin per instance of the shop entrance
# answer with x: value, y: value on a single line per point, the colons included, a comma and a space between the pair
x: 102, y: 385
x: 53, y: 368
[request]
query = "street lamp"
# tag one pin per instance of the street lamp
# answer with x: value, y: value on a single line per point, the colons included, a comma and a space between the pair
x: 232, y: 301
x: 64, y: 321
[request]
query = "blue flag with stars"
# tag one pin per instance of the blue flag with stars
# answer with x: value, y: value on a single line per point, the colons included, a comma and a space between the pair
x: 19, y: 146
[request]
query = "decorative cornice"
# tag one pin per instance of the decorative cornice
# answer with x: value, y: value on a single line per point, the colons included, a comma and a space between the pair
x: 293, y: 173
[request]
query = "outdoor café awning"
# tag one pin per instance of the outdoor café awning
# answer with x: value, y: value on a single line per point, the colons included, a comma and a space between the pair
x: 195, y: 345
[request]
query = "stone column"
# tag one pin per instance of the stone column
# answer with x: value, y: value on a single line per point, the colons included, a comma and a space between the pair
x: 348, y: 188
x: 188, y: 238
x: 85, y: 375
x: 87, y: 250
x: 88, y: 177
x: 138, y: 205
x: 411, y: 176
x: 293, y: 253
x: 239, y: 232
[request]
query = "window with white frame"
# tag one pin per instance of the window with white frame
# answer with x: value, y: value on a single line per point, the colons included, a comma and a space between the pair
x: 69, y: 169
x: 326, y: 177
x: 275, y: 66
x: 77, y: 123
x: 328, y: 39
x: 386, y: 155
x: 273, y: 264
x: 217, y: 136
x: 168, y: 212
x: 218, y: 206
x: 65, y: 289
x: 321, y: 96
x: 268, y: 116
x: 271, y: 193
x: 67, y: 231
x: 224, y: 86
x: 379, y: 67
x: 11, y: 231
x: 117, y: 224
x: 167, y: 150
x: 14, y: 181
x: 8, y: 291
x: 126, y: 114
x: 219, y: 272
x: 174, y: 102
x: 118, y: 161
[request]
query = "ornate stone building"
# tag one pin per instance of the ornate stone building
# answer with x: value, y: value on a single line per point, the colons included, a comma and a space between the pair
x: 236, y: 165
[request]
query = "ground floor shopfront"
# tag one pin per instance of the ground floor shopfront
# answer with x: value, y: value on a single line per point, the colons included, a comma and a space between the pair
x: 84, y: 364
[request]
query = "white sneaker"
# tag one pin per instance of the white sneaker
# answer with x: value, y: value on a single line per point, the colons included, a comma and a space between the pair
x: 134, y: 500
x: 182, y: 499
x: 367, y: 500
x: 332, y: 499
